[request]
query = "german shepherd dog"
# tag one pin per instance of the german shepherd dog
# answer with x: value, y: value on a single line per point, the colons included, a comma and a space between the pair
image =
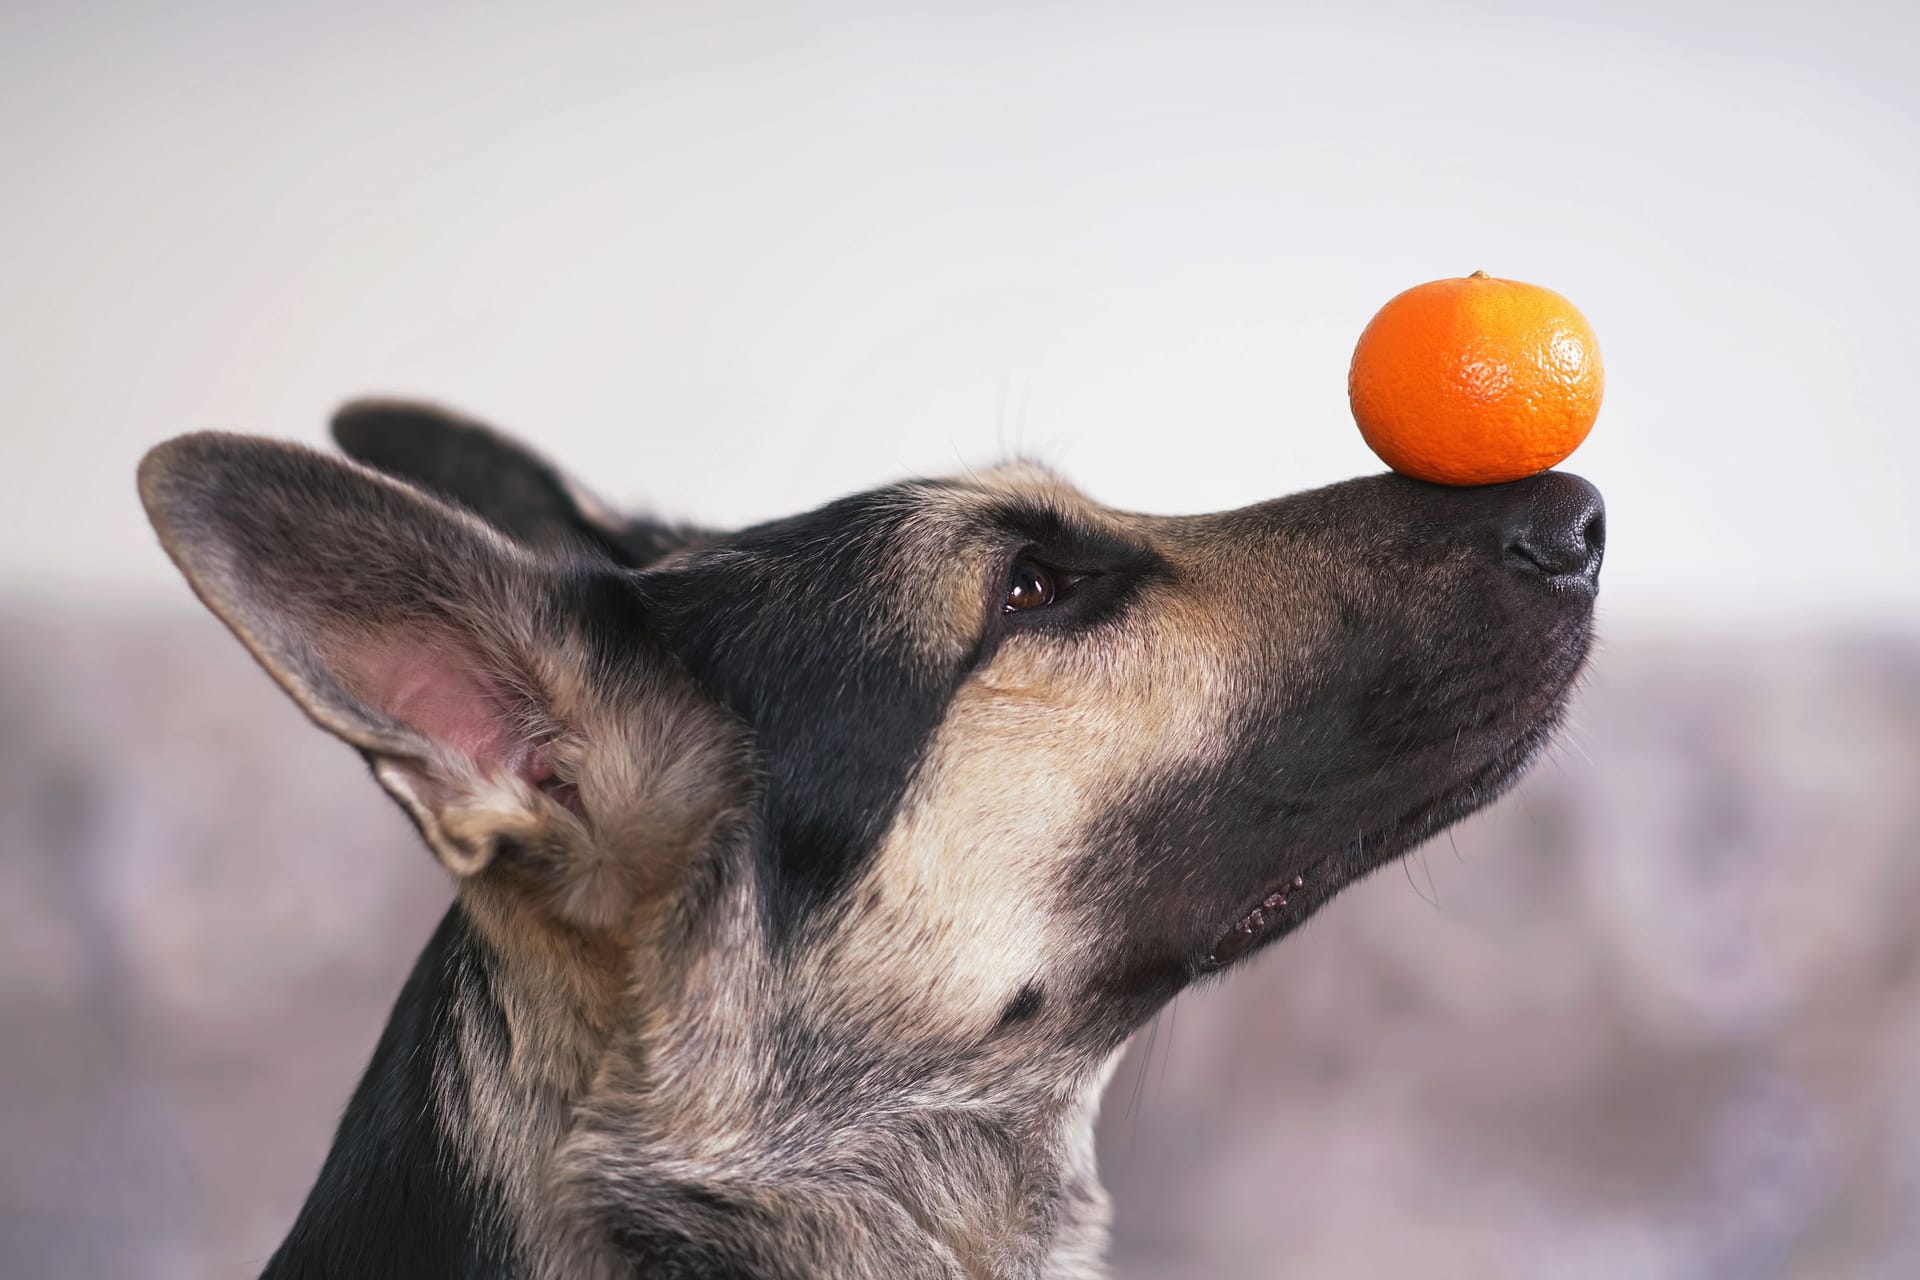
x: 810, y: 878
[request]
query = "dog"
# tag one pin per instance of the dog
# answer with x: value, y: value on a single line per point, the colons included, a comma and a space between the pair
x: 810, y: 878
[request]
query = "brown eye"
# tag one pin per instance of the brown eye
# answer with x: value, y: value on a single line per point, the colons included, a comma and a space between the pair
x: 1031, y: 587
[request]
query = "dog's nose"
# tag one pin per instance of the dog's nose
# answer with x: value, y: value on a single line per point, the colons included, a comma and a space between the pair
x: 1559, y: 532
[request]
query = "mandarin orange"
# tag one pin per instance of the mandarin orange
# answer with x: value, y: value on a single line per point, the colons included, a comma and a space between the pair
x: 1475, y: 380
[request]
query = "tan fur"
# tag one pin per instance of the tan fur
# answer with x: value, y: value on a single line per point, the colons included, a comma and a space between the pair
x: 1031, y: 751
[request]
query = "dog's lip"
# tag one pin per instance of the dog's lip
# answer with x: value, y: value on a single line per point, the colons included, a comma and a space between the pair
x: 1283, y: 907
x: 1278, y: 910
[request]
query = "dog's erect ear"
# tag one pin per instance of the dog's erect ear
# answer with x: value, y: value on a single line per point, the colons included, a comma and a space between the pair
x: 514, y: 705
x: 502, y: 481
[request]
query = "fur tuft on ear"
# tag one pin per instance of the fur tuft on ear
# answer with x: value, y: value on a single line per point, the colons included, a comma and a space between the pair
x: 459, y: 662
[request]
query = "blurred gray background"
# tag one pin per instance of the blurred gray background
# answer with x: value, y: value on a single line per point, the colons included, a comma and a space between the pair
x: 1657, y: 1014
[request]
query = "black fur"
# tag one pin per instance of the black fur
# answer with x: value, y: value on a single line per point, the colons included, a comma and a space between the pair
x: 497, y: 479
x: 792, y: 626
x: 1416, y: 710
x: 1022, y: 1008
x: 391, y: 1200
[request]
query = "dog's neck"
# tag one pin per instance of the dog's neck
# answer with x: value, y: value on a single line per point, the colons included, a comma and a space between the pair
x: 749, y: 1125
x: 717, y: 1141
x: 920, y: 1192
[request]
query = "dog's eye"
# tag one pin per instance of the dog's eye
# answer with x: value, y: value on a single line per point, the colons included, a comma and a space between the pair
x: 1030, y: 587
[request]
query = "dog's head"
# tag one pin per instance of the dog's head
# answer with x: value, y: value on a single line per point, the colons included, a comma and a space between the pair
x: 975, y: 766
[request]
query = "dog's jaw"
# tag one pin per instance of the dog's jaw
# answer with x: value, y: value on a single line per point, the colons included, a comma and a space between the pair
x: 1287, y: 905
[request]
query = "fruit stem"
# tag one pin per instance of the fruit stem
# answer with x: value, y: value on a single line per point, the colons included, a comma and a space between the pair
x: 1479, y: 275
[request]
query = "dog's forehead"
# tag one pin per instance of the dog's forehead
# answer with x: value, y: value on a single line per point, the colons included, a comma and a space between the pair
x: 1025, y: 479
x: 1010, y: 494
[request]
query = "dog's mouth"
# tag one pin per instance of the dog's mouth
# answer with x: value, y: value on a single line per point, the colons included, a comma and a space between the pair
x: 1286, y: 904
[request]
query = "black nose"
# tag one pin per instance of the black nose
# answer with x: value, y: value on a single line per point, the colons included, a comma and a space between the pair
x: 1559, y: 532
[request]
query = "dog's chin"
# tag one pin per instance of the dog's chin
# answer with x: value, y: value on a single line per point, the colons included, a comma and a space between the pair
x: 1285, y: 904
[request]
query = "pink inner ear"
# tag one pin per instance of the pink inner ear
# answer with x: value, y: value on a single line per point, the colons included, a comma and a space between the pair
x: 440, y: 689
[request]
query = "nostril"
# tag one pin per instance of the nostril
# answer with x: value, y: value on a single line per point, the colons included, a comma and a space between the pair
x: 1595, y: 534
x: 1523, y: 552
x: 1561, y: 530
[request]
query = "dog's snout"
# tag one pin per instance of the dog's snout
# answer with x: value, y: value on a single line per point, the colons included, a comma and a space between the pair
x: 1559, y: 532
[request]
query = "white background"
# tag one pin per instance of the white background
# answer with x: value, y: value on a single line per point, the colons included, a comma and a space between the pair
x: 731, y: 260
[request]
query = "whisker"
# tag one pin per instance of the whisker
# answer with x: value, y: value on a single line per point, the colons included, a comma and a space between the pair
x: 1572, y: 739
x: 1140, y: 1080
x: 1431, y: 886
x: 1407, y: 871
x: 1173, y: 1024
